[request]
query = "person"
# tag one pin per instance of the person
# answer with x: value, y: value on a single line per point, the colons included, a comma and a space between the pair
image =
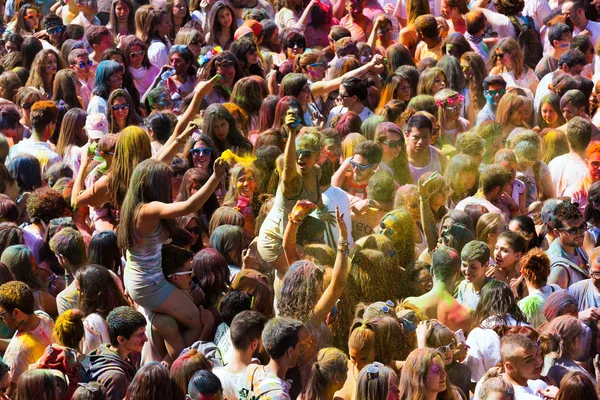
x: 109, y: 77
x: 558, y: 36
x: 69, y: 248
x: 431, y: 42
x: 328, y: 374
x: 549, y: 114
x: 354, y: 173
x: 43, y: 384
x: 205, y: 385
x: 578, y: 191
x: 438, y: 303
x: 150, y: 380
x: 575, y: 11
x: 535, y: 268
x: 509, y: 249
x: 33, y: 330
x: 568, y: 260
x: 475, y: 259
x: 522, y: 366
x: 422, y: 157
x: 424, y: 374
x: 184, y: 367
x: 281, y: 339
x: 492, y: 182
x: 586, y: 292
x: 43, y: 122
x: 563, y: 337
x: 359, y: 25
x: 110, y: 364
x: 87, y: 14
x: 497, y: 308
x: 496, y: 387
x: 353, y: 92
x: 245, y: 330
x: 157, y: 27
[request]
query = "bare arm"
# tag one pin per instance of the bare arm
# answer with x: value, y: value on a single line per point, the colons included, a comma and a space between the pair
x: 559, y: 276
x: 337, y: 179
x: 324, y: 87
x: 339, y: 275
x: 290, y: 175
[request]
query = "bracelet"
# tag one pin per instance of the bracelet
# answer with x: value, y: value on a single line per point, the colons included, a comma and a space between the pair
x: 343, y: 248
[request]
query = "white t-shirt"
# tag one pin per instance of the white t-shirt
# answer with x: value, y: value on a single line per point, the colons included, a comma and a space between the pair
x: 500, y: 23
x: 529, y: 392
x: 542, y: 90
x: 332, y: 197
x: 96, y: 333
x: 39, y: 150
x: 586, y: 294
x: 364, y: 114
x: 538, y: 10
x: 478, y: 200
x: 594, y: 28
x: 158, y: 53
x: 143, y: 77
x: 566, y: 170
x: 232, y: 383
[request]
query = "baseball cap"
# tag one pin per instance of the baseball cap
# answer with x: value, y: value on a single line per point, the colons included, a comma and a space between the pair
x: 96, y: 125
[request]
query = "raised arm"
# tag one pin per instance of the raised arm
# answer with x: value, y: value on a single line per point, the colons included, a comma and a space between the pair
x: 290, y: 175
x: 295, y: 218
x: 337, y: 179
x: 339, y: 275
x: 157, y: 210
x: 324, y: 87
x: 95, y: 195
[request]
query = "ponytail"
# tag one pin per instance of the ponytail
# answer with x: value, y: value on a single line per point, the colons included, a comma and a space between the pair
x: 330, y: 365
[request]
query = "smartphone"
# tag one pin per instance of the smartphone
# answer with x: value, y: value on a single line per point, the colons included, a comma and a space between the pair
x: 459, y: 335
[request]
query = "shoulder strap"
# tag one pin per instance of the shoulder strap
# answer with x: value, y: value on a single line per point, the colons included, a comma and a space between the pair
x: 538, y: 182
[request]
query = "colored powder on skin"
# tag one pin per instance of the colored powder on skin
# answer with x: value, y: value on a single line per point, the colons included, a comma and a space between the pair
x: 246, y: 160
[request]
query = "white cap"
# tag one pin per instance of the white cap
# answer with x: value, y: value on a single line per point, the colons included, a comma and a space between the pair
x: 96, y: 125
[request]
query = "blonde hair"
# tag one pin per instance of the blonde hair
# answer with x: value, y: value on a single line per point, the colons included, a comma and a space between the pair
x: 331, y: 365
x: 350, y: 142
x: 509, y: 104
x: 509, y: 45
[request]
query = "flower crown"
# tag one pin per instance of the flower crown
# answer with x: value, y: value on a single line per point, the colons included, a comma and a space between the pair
x: 207, y: 54
x: 450, y: 101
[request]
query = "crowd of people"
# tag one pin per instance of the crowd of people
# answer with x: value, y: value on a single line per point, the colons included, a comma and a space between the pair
x: 302, y: 199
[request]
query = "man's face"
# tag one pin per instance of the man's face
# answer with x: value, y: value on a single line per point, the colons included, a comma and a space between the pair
x: 89, y: 7
x: 473, y: 271
x: 348, y: 101
x: 576, y: 16
x: 82, y: 67
x: 575, y: 70
x: 361, y: 168
x: 9, y: 318
x: 418, y: 139
x: 570, y: 111
x: 593, y: 166
x: 563, y: 43
x: 105, y: 43
x: 595, y: 273
x: 56, y: 35
x: 354, y: 8
x: 494, y: 94
x: 571, y: 234
x: 136, y: 342
x: 527, y: 364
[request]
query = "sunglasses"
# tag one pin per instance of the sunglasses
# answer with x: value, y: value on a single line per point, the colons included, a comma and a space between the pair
x: 194, y: 231
x: 494, y: 93
x: 500, y: 55
x: 360, y: 167
x: 27, y: 106
x: 205, y: 151
x: 55, y: 30
x: 31, y: 17
x: 119, y: 107
x: 82, y: 64
x: 304, y: 153
x: 298, y: 43
x: 445, y: 349
x: 386, y: 308
x: 575, y: 230
x: 191, y: 273
x: 137, y: 53
x: 89, y: 3
x: 195, y: 43
x: 317, y: 64
x: 385, y: 228
x: 392, y: 144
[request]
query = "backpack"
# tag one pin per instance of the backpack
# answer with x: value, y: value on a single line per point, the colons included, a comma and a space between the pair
x: 263, y: 390
x: 529, y: 40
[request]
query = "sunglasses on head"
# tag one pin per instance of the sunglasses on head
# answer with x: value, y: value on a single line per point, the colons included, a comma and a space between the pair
x: 82, y: 64
x: 385, y: 228
x: 205, y: 151
x: 137, y: 53
x: 55, y: 30
x: 373, y: 370
x: 120, y: 107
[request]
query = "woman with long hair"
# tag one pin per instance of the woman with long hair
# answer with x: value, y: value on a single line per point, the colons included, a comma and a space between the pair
x: 109, y: 77
x: 592, y: 217
x: 246, y: 52
x: 193, y: 179
x: 424, y: 377
x: 122, y: 18
x: 506, y: 60
x: 397, y: 86
x: 576, y: 385
x: 151, y: 380
x: 27, y: 173
x: 222, y: 26
x: 475, y: 71
x: 524, y: 226
x: 21, y: 263
x: 511, y: 113
x: 43, y: 70
x: 39, y: 384
x: 395, y: 160
x: 103, y: 250
x: 563, y: 338
x: 182, y: 370
x: 65, y: 89
x: 27, y: 21
x: 451, y: 124
x: 146, y: 222
x: 179, y: 10
x: 228, y: 240
x: 137, y: 63
x: 181, y: 62
x: 554, y: 144
x: 249, y: 93
x: 456, y: 81
x: 241, y: 195
x: 432, y: 81
x: 157, y: 28
x: 227, y: 65
x: 328, y: 374
x: 212, y: 276
x: 489, y: 227
x: 72, y: 137
x: 408, y: 35
x: 99, y: 294
x: 257, y: 285
x: 220, y: 127
x: 193, y: 39
x: 122, y: 111
x: 549, y: 113
x: 497, y: 309
x: 462, y: 176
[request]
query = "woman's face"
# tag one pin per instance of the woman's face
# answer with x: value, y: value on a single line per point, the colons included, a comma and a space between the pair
x: 436, y: 376
x: 246, y: 184
x: 11, y: 47
x: 425, y: 281
x: 227, y: 73
x: 549, y: 114
x: 51, y: 64
x: 224, y: 18
x: 115, y: 81
x: 120, y: 108
x: 506, y: 59
x: 220, y: 128
x: 517, y: 116
x: 179, y: 9
x: 251, y: 56
x: 403, y: 91
x: 361, y: 357
x: 194, y: 229
x: 122, y: 11
x: 119, y: 59
x: 32, y: 18
x: 452, y: 111
x: 195, y: 47
x: 439, y: 83
x: 294, y: 48
x: 446, y: 351
x: 466, y: 69
x: 306, y: 157
x: 512, y: 168
x: 366, y: 55
x: 304, y: 97
x: 391, y: 145
x: 201, y: 160
x: 165, y: 25
x: 316, y: 71
x: 136, y: 56
x: 179, y: 64
x: 466, y: 182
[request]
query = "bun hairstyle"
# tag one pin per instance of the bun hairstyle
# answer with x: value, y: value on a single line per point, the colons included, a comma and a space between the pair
x: 535, y: 267
x: 561, y: 336
x: 68, y: 329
